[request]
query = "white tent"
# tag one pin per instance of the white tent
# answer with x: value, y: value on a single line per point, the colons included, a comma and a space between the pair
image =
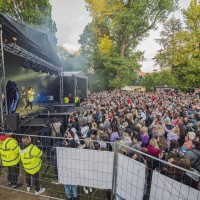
x: 126, y: 88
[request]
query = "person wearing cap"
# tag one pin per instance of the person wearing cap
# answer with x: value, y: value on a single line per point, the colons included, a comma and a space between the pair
x: 9, y: 151
x: 32, y: 162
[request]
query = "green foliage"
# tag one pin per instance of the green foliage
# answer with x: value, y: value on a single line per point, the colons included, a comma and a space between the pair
x: 188, y: 74
x: 181, y: 47
x: 162, y: 78
x: 36, y: 13
x: 110, y: 40
x: 166, y: 56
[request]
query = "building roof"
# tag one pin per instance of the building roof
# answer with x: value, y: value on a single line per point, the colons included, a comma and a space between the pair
x: 141, y: 73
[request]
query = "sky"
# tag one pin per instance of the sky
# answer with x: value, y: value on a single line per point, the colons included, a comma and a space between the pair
x: 71, y: 17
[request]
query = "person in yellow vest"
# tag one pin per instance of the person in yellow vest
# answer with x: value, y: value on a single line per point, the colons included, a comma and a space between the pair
x: 9, y: 151
x: 31, y: 161
x: 31, y: 96
x: 77, y: 101
x: 66, y: 100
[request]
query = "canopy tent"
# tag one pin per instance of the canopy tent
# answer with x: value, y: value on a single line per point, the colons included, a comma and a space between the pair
x: 126, y: 88
x: 75, y: 83
x: 36, y: 42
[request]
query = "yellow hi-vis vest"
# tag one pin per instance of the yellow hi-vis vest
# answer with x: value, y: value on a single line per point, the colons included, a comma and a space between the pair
x: 9, y: 152
x: 31, y: 159
x: 66, y: 100
x: 76, y: 99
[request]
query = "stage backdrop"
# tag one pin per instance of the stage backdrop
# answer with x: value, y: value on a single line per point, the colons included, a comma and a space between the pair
x: 45, y: 85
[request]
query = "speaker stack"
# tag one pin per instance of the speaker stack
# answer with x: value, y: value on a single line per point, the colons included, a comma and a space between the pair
x: 12, y: 121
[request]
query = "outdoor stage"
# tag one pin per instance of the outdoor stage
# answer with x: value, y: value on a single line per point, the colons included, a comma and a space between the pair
x: 34, y: 122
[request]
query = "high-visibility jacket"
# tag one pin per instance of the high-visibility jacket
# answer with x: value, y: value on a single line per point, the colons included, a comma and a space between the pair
x: 66, y: 100
x: 9, y: 151
x: 76, y: 99
x: 31, y: 159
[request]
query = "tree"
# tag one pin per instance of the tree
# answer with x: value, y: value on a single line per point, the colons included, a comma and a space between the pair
x: 128, y: 24
x: 182, y: 51
x: 110, y: 40
x: 35, y: 13
x: 165, y: 56
x: 161, y: 78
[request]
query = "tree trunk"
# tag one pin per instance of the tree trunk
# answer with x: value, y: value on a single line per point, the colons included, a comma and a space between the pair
x: 122, y: 47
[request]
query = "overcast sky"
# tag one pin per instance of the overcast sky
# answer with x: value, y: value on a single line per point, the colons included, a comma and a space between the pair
x: 71, y: 17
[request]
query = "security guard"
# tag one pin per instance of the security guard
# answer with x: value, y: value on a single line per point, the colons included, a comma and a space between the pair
x: 66, y: 100
x: 31, y: 160
x: 77, y: 101
x: 9, y: 151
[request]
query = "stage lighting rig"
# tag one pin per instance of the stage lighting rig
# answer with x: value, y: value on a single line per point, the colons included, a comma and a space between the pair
x: 25, y: 64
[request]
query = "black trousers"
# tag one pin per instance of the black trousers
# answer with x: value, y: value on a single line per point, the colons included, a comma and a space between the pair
x: 35, y: 180
x: 13, y: 173
x: 29, y: 104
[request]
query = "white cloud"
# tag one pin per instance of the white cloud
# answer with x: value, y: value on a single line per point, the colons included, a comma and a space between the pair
x: 80, y: 18
x: 70, y: 48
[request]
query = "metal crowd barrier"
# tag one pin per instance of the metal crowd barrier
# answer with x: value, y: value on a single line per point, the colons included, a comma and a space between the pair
x: 102, y: 171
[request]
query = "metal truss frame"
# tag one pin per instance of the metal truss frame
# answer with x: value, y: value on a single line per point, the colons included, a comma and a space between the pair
x: 16, y: 50
x: 3, y: 96
x: 61, y: 86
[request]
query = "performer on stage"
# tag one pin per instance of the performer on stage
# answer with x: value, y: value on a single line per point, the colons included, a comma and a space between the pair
x: 31, y: 93
x: 23, y: 97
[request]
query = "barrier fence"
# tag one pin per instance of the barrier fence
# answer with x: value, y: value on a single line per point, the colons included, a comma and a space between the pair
x: 101, y: 170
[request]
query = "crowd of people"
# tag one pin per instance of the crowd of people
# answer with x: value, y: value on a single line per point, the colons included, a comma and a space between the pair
x: 164, y: 125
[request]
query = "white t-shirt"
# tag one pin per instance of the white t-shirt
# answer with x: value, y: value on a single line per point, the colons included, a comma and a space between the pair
x: 55, y: 128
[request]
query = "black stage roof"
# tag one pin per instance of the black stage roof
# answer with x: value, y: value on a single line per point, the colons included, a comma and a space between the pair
x: 36, y: 42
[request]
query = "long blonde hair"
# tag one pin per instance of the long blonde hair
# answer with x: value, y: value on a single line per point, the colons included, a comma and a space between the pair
x: 130, y: 117
x: 89, y: 144
x: 94, y: 125
x: 153, y: 143
x: 176, y: 130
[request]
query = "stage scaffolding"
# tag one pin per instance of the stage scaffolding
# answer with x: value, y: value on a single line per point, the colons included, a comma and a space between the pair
x: 16, y: 50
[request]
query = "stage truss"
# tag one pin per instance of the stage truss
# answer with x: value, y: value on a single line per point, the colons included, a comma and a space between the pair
x: 16, y: 50
x: 3, y: 96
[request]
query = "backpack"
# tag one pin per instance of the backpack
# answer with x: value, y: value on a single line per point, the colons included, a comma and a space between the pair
x: 196, y: 164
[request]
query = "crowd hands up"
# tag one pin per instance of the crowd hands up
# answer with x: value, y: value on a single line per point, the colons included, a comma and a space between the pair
x: 165, y: 125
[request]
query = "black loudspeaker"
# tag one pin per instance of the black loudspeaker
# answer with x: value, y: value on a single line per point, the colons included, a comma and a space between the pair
x: 12, y: 121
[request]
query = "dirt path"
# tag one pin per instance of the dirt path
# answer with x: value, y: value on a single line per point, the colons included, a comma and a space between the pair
x: 9, y: 194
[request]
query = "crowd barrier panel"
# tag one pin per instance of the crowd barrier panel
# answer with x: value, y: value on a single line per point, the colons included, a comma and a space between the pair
x: 102, y: 174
